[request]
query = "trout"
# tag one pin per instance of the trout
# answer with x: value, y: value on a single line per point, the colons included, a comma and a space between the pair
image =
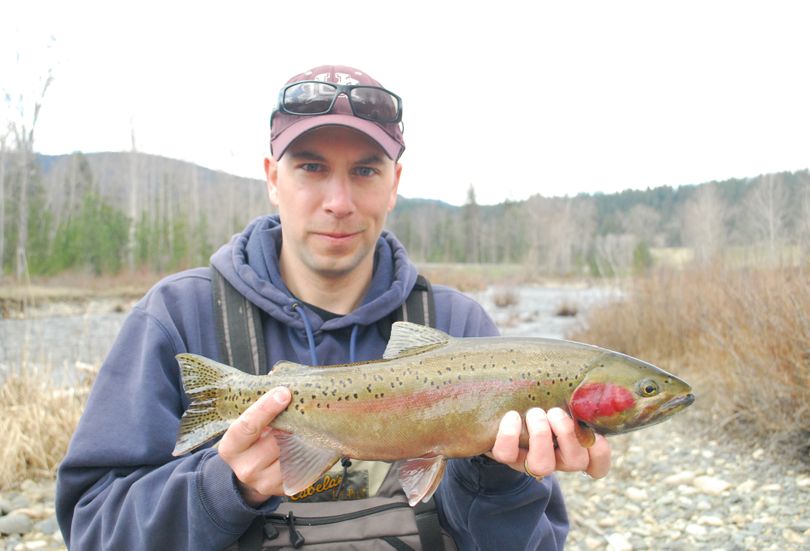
x: 431, y: 397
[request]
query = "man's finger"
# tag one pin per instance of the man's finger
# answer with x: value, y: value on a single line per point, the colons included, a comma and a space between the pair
x: 600, y: 458
x: 506, y: 448
x: 248, y: 427
x: 571, y: 456
x: 541, y: 459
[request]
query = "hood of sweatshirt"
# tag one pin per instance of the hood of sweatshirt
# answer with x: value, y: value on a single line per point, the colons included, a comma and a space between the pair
x: 250, y: 263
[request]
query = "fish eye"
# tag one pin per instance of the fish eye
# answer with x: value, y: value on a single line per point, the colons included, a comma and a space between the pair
x: 648, y: 388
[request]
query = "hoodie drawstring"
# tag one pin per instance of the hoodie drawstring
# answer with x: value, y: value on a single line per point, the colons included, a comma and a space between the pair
x: 353, y: 344
x: 311, y: 338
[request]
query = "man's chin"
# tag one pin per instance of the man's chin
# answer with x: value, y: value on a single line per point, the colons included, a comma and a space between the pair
x: 331, y: 267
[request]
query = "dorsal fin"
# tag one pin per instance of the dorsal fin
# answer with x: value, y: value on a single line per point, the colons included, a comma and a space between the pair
x: 286, y: 366
x: 412, y: 338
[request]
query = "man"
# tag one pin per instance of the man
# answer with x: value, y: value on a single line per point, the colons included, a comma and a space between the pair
x: 326, y: 278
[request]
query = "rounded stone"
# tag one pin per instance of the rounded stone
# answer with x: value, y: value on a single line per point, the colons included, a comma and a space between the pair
x: 15, y: 523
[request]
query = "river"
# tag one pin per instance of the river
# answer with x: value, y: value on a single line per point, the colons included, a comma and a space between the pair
x: 60, y: 339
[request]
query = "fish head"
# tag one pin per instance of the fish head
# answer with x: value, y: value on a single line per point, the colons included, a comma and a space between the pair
x: 620, y: 394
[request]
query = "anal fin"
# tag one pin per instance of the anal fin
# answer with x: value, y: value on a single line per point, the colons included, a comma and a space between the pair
x: 420, y: 477
x: 301, y: 463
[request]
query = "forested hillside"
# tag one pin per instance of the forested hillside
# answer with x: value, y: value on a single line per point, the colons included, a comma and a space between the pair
x: 106, y: 212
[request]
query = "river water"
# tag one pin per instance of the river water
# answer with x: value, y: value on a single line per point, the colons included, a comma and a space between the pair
x: 63, y: 339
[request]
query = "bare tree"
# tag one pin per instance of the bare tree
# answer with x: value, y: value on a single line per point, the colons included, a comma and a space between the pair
x: 471, y: 227
x: 766, y: 213
x: 803, y: 228
x: 642, y: 222
x: 561, y: 229
x: 133, y: 199
x: 614, y: 253
x: 703, y: 220
x: 22, y: 109
x: 3, y: 201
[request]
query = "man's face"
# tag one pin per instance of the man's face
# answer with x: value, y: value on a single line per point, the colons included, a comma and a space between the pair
x: 334, y: 188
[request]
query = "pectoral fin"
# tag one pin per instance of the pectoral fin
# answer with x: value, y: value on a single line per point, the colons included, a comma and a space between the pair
x: 584, y: 434
x: 302, y: 464
x: 421, y: 476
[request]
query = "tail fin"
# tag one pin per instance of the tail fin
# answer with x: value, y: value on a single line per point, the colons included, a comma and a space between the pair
x: 204, y: 382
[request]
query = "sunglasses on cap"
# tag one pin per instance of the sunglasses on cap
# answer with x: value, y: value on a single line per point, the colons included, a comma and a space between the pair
x: 314, y: 97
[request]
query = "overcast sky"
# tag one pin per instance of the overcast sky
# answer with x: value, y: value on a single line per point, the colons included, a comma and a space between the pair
x: 514, y: 98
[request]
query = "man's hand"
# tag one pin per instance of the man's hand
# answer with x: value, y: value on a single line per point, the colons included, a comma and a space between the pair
x: 250, y: 449
x: 542, y: 458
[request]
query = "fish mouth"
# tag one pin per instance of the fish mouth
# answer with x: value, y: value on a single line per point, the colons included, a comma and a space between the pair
x: 677, y: 404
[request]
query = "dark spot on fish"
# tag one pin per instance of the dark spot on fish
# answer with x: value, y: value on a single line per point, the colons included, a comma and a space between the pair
x: 459, y: 377
x: 376, y: 395
x: 447, y: 368
x: 301, y: 400
x: 393, y: 385
x: 355, y: 396
x: 350, y: 380
x: 334, y: 391
x: 570, y: 385
x: 297, y: 407
x: 325, y: 393
x: 548, y: 393
x: 313, y: 396
x: 346, y: 398
x: 340, y: 398
x: 368, y: 388
x: 327, y: 405
x: 295, y: 393
x: 319, y: 404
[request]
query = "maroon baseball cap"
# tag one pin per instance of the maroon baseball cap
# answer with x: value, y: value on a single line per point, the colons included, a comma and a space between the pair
x: 285, y: 127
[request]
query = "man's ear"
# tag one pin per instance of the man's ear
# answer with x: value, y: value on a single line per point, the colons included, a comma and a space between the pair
x: 271, y: 171
x: 392, y: 201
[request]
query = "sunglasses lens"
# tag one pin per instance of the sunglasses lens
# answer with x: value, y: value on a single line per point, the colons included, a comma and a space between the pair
x: 309, y: 98
x: 375, y: 104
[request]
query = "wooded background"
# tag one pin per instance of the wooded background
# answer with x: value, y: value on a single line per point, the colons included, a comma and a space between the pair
x: 106, y: 212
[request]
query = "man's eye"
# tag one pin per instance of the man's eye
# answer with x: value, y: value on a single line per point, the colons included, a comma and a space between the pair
x: 365, y: 171
x: 312, y: 167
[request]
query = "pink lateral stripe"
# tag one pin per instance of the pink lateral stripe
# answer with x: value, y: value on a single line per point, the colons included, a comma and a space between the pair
x: 429, y: 397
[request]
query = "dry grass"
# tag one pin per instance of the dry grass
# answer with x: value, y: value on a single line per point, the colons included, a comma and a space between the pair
x: 37, y: 419
x: 741, y: 337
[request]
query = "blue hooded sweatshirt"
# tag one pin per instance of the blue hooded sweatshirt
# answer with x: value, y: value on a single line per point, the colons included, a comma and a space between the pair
x: 119, y: 487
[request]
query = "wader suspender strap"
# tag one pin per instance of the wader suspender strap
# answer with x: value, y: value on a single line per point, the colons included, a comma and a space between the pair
x: 239, y: 327
x: 419, y: 306
x: 241, y: 344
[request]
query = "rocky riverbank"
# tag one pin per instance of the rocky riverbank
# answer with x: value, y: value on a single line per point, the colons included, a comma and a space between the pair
x: 672, y: 488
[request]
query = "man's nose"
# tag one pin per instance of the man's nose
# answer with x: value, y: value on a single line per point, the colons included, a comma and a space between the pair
x: 338, y: 197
